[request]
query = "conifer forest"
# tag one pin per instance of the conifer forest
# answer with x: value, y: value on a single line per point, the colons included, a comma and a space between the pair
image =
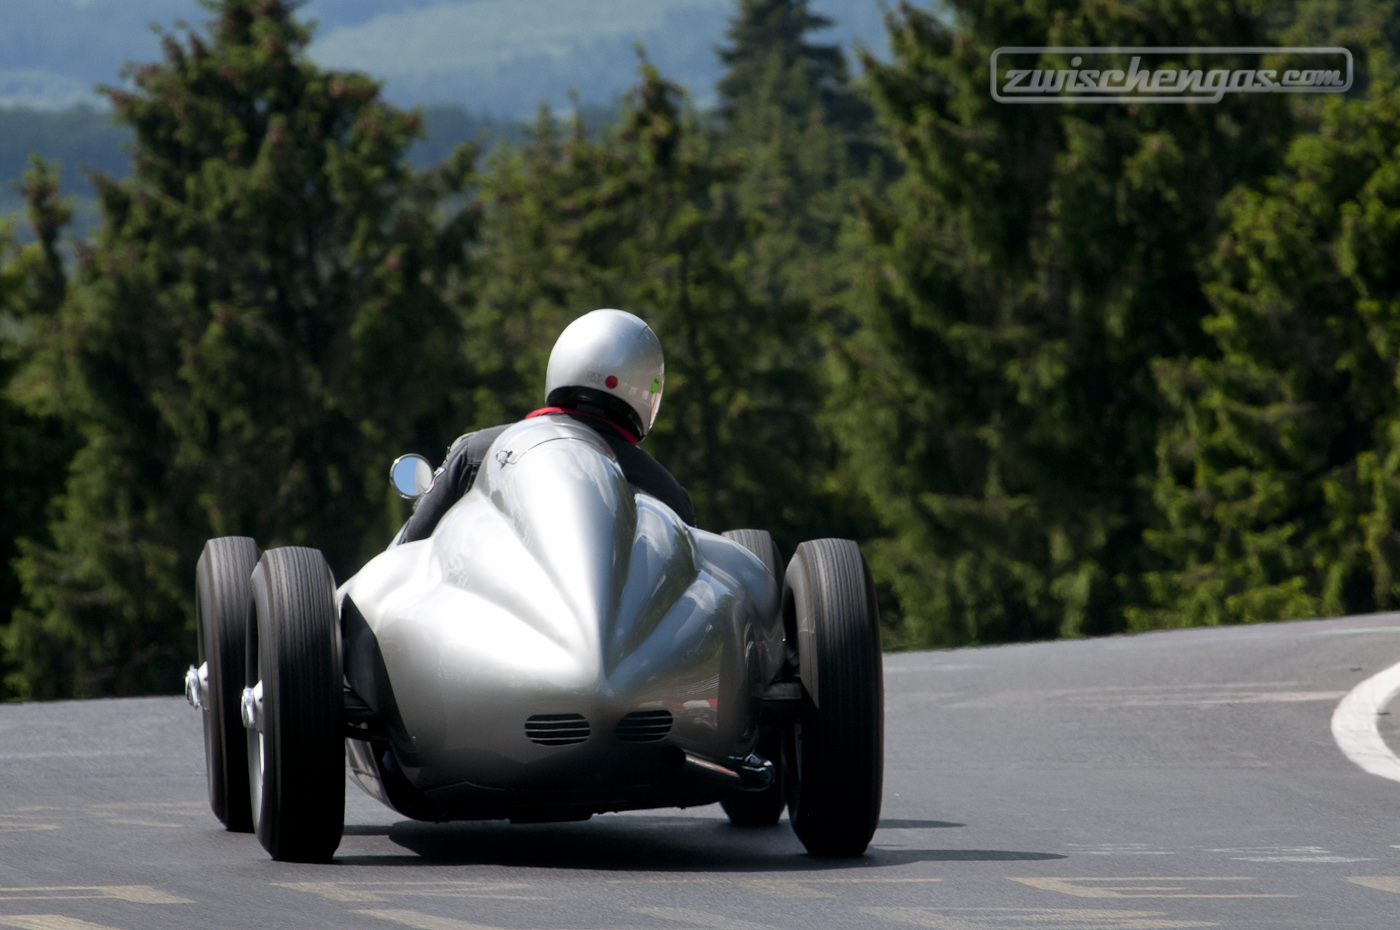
x: 1062, y: 370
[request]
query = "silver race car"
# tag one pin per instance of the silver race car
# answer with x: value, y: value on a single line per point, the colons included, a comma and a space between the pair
x: 562, y: 645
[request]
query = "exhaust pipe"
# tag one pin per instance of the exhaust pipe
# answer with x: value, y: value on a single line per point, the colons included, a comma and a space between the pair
x: 752, y: 773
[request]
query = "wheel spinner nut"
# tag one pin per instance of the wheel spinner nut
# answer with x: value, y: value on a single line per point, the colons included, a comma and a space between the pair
x: 250, y: 707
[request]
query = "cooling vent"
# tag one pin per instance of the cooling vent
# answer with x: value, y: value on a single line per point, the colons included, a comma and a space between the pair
x: 557, y: 729
x: 644, y: 726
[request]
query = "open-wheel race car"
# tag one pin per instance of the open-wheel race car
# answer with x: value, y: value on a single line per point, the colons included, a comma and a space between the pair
x: 562, y: 645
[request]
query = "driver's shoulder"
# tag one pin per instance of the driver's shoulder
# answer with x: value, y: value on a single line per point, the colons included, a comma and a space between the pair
x: 473, y: 445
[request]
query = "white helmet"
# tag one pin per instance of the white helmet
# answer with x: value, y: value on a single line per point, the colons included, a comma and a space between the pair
x: 604, y: 357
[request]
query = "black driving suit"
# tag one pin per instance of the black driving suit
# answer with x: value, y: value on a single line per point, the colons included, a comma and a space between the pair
x: 465, y: 456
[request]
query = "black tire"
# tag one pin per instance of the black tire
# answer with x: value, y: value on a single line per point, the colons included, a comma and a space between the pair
x: 834, y: 755
x: 296, y: 762
x: 760, y: 808
x: 222, y: 605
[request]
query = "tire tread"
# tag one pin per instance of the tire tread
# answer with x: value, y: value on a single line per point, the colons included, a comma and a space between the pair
x: 223, y: 605
x: 837, y: 802
x: 303, y: 807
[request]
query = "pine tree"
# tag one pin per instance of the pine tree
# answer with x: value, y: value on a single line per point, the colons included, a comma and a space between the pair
x: 1280, y: 476
x: 261, y: 324
x: 35, y: 449
x: 770, y: 62
x: 644, y: 218
x: 1370, y: 29
x: 996, y: 399
x: 806, y: 143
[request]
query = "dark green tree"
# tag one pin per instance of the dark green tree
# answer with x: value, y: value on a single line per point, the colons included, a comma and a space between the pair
x: 1370, y: 29
x: 806, y: 143
x: 996, y: 399
x: 34, y: 451
x: 1280, y: 474
x: 643, y: 217
x: 262, y: 322
x: 790, y: 117
x: 770, y: 61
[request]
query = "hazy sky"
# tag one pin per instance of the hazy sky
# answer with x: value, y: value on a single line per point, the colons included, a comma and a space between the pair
x: 492, y: 56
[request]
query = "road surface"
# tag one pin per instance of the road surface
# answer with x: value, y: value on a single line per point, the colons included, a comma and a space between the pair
x: 1169, y: 780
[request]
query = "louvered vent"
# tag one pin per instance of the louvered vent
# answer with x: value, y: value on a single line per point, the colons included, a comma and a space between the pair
x: 557, y: 729
x: 644, y: 726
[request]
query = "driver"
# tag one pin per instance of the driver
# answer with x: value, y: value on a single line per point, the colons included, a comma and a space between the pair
x: 606, y: 371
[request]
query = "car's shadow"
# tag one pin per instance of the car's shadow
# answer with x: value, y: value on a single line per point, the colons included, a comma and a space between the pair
x: 644, y: 843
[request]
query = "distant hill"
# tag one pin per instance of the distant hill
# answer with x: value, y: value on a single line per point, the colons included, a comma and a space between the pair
x: 83, y: 139
x: 479, y: 66
x: 499, y: 57
x: 80, y: 138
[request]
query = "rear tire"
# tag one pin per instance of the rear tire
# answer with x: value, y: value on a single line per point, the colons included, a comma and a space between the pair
x: 760, y: 808
x: 222, y: 605
x: 296, y: 762
x: 834, y: 755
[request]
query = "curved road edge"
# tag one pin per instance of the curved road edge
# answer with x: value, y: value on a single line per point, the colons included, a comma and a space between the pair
x: 1354, y: 724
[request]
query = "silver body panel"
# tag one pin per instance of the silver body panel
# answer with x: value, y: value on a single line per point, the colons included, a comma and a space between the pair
x: 554, y: 588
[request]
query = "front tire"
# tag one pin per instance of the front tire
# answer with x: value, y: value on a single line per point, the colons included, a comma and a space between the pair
x: 222, y: 605
x: 760, y: 808
x: 834, y: 762
x: 296, y: 750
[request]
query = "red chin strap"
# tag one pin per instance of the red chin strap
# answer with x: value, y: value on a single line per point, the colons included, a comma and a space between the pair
x: 549, y: 411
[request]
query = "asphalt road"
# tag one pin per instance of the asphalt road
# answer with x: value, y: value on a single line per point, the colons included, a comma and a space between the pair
x: 1170, y: 780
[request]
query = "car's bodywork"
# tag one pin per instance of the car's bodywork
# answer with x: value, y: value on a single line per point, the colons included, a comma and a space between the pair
x: 561, y: 645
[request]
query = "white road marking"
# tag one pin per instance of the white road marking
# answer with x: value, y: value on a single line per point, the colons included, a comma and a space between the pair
x: 71, y: 754
x: 421, y: 921
x: 1195, y: 696
x: 1174, y: 695
x: 1139, y: 887
x: 1303, y: 858
x: 1354, y: 724
x: 132, y: 894
x: 169, y: 807
x: 370, y: 892
x: 1239, y: 854
x: 943, y: 667
x: 1389, y: 883
x: 1288, y: 854
x: 696, y: 918
x: 1119, y: 849
x: 778, y: 887
x: 1022, y: 918
x: 783, y: 888
x: 9, y: 826
x: 48, y: 922
x: 12, y: 821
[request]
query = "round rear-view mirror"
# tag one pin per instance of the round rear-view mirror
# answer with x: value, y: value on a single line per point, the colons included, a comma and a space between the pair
x: 411, y: 476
